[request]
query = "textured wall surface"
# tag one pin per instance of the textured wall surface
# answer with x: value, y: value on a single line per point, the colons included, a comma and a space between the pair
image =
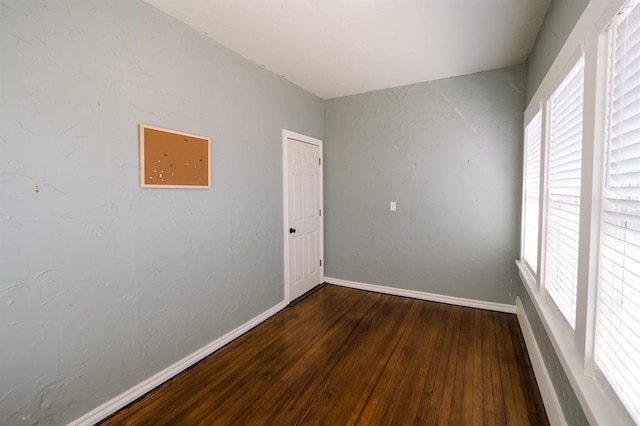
x: 449, y: 153
x: 558, y: 24
x: 102, y: 283
x: 571, y: 408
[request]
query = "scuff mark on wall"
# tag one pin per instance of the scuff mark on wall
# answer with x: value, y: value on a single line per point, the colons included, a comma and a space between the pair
x: 49, y: 300
x: 16, y: 285
x: 448, y: 101
x: 516, y: 88
x: 68, y: 129
x: 9, y: 393
x: 20, y: 39
x: 45, y: 272
x: 454, y: 107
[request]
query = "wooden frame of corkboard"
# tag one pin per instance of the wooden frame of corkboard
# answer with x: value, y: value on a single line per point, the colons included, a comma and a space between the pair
x: 170, y: 159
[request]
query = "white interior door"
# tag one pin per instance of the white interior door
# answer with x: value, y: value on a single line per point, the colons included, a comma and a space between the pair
x: 303, y: 225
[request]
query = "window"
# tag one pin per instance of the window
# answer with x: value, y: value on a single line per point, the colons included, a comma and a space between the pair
x: 590, y: 211
x: 563, y: 192
x: 617, y: 344
x: 533, y: 139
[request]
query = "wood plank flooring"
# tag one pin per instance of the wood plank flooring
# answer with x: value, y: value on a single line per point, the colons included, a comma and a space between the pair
x: 343, y: 356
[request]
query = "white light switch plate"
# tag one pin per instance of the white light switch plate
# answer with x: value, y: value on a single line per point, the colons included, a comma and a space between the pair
x: 392, y: 206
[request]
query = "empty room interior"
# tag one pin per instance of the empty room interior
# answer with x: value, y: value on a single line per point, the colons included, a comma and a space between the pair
x: 319, y: 212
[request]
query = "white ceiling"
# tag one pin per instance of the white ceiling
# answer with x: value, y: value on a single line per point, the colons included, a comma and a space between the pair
x: 335, y: 48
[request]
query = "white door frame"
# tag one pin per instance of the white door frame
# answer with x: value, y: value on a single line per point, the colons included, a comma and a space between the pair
x: 286, y: 135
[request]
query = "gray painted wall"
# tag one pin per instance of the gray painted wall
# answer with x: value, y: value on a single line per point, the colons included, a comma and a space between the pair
x: 558, y: 24
x: 102, y: 283
x: 449, y: 153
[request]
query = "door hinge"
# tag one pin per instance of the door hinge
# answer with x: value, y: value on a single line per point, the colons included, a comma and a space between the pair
x: 320, y: 262
x: 320, y: 212
x: 319, y: 161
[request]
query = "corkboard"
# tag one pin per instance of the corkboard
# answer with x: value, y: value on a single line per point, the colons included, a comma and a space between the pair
x: 170, y: 159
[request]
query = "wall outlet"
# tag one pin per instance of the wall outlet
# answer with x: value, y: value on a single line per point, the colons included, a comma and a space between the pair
x: 392, y: 206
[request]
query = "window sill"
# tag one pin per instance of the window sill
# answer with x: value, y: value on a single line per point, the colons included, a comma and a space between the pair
x: 597, y: 405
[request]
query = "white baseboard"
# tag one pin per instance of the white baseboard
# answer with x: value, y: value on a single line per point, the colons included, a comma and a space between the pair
x: 130, y: 395
x: 459, y: 301
x: 547, y: 391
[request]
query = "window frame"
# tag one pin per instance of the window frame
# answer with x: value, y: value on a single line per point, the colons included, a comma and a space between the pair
x: 601, y: 176
x: 579, y: 57
x: 575, y: 348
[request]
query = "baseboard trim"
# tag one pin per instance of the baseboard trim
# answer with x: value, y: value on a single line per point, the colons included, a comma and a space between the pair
x: 547, y: 391
x: 459, y: 301
x: 130, y: 395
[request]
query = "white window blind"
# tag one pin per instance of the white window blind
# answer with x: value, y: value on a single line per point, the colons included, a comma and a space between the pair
x: 617, y: 344
x: 563, y: 192
x: 533, y: 138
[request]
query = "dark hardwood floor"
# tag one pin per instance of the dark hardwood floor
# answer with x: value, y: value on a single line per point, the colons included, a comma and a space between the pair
x: 343, y: 356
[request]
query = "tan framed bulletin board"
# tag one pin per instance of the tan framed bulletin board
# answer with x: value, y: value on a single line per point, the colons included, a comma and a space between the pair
x: 170, y: 159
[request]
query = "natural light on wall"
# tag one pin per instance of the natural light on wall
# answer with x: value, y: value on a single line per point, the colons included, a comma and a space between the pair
x: 617, y: 344
x: 563, y: 193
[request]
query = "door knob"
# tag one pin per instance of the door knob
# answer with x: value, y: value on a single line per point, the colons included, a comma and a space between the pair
x: 292, y: 230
